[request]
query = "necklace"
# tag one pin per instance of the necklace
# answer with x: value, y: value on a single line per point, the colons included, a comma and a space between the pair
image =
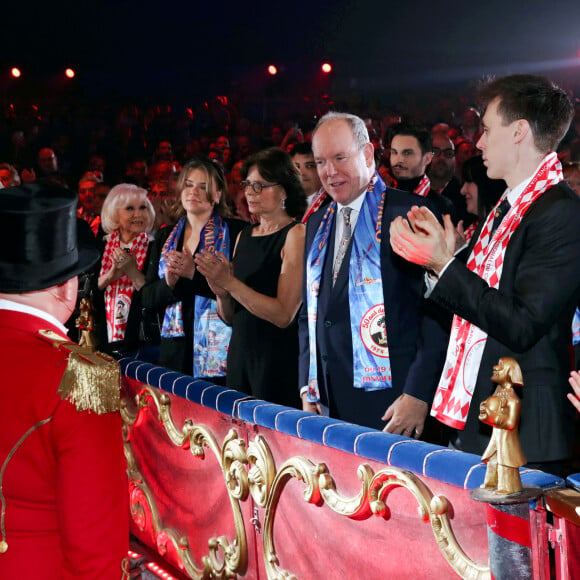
x: 272, y: 228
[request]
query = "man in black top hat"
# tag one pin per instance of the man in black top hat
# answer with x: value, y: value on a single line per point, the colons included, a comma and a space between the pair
x: 63, y: 481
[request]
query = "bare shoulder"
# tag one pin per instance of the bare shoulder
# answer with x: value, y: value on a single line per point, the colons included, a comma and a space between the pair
x: 294, y: 244
x: 297, y: 233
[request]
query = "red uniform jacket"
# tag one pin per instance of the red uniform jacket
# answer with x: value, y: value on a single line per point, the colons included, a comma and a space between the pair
x: 65, y: 486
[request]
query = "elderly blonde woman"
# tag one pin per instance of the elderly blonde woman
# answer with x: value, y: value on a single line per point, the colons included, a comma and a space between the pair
x: 127, y: 218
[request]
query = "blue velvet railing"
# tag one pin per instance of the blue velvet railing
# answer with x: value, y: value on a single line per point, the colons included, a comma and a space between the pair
x: 453, y: 467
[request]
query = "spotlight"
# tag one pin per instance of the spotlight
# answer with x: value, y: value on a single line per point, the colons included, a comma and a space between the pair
x: 15, y: 72
x: 326, y: 67
x: 69, y: 73
x: 272, y: 70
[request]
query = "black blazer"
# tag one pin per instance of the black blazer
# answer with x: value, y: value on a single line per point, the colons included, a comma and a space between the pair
x: 177, y: 353
x: 417, y: 341
x: 528, y: 317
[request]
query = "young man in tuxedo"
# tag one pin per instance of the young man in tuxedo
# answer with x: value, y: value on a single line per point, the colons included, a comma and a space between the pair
x: 516, y: 294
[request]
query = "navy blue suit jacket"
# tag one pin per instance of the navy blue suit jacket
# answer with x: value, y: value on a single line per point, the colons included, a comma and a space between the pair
x: 417, y: 340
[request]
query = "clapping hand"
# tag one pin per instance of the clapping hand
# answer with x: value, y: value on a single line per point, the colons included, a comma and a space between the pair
x: 422, y: 240
x: 217, y: 269
x: 179, y: 265
x: 574, y: 381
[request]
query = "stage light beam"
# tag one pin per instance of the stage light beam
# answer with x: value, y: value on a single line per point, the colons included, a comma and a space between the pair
x: 15, y: 72
x: 272, y: 70
x: 69, y: 73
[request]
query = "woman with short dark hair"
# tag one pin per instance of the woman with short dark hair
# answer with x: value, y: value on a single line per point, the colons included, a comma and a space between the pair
x: 481, y: 193
x: 259, y: 293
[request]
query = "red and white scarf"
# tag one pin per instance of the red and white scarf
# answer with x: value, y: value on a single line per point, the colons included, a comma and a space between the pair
x: 470, y: 230
x: 317, y: 201
x: 467, y: 341
x: 424, y: 186
x: 119, y: 294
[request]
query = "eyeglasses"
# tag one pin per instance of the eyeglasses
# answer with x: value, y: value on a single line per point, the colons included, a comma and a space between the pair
x: 256, y: 185
x: 447, y: 153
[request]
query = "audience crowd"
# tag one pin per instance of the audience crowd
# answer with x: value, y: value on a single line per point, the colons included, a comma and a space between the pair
x: 197, y: 216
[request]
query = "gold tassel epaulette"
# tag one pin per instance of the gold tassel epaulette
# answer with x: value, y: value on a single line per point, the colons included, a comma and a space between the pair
x: 91, y: 381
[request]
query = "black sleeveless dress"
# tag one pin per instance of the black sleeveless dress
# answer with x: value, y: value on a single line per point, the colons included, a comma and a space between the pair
x: 262, y: 358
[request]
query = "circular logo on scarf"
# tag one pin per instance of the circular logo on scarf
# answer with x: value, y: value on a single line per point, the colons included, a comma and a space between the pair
x: 373, y: 331
x: 473, y: 357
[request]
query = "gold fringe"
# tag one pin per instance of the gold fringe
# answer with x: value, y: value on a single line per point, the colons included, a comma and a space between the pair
x: 91, y: 381
x: 92, y: 386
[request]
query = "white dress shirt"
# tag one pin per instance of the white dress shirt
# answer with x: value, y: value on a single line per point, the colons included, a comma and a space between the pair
x: 17, y: 307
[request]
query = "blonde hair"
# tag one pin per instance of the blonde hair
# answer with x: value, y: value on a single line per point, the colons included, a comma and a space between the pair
x: 117, y: 198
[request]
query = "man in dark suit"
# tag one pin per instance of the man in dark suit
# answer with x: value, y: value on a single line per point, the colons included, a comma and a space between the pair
x: 516, y: 294
x: 354, y: 283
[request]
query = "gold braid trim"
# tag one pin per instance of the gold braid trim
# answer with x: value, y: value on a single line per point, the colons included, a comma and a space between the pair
x: 126, y: 574
x: 91, y: 381
x: 3, y: 542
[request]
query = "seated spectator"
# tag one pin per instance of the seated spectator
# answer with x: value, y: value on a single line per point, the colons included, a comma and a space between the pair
x: 463, y: 151
x: 222, y: 143
x: 8, y: 175
x: 46, y: 169
x: 90, y: 204
x: 471, y: 125
x: 441, y: 172
x: 236, y: 196
x: 163, y: 152
x: 136, y: 172
x: 571, y: 173
x: 161, y: 172
x: 97, y: 165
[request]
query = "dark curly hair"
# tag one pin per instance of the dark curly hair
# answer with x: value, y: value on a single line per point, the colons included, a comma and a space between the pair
x: 276, y: 166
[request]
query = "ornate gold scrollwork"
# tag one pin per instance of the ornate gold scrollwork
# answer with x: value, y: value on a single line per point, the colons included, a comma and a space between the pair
x: 225, y: 559
x: 253, y: 471
x: 370, y: 500
x: 262, y: 470
x: 356, y: 507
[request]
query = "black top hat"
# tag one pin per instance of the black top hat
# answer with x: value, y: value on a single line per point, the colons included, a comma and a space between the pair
x: 38, y: 238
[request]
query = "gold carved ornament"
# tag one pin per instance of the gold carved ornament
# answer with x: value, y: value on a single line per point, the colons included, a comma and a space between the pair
x: 225, y: 559
x: 254, y: 471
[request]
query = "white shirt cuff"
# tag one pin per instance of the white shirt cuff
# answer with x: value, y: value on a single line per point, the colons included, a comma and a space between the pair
x: 431, y: 281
